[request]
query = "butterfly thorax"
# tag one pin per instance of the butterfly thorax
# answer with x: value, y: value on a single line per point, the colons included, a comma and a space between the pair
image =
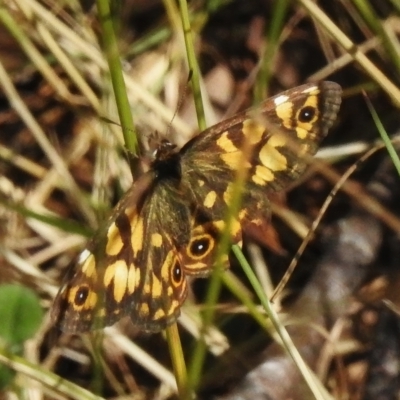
x: 166, y: 163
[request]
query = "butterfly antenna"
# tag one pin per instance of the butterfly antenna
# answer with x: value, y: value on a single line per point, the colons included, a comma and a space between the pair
x: 180, y: 102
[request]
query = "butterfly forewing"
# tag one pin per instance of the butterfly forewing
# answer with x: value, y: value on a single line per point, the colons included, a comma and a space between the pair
x: 298, y: 118
x: 169, y: 223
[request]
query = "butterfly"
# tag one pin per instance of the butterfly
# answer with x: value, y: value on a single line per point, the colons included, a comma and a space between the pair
x: 167, y: 227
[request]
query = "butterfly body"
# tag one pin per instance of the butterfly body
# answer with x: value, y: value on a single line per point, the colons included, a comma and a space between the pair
x: 167, y: 226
